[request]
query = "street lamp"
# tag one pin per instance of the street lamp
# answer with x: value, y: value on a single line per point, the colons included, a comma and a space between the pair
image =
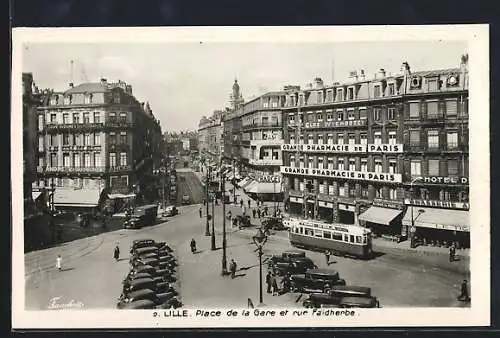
x: 207, y: 183
x: 259, y: 240
x: 420, y: 211
x: 213, y: 226
x: 224, y: 260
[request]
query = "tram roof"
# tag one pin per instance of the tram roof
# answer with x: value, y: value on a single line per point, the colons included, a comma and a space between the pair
x: 351, y: 228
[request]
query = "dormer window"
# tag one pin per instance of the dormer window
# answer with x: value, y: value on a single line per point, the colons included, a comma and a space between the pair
x: 350, y: 93
x: 391, y: 89
x: 329, y: 95
x: 67, y: 99
x: 376, y: 91
x: 87, y: 98
x: 340, y: 94
x: 319, y: 97
x: 432, y: 85
x: 116, y: 97
x: 54, y: 100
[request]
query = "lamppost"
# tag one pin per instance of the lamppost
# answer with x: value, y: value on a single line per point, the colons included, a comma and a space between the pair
x: 213, y: 225
x: 224, y: 260
x: 207, y: 183
x: 420, y: 211
x: 259, y: 240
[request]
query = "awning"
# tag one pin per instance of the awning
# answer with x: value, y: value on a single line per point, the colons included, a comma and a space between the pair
x: 244, y: 182
x: 35, y: 195
x: 76, y: 197
x: 379, y: 215
x: 294, y: 199
x: 113, y: 196
x: 447, y: 219
x: 249, y: 185
x: 265, y: 188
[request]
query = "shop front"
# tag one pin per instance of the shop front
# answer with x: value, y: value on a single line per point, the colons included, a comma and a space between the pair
x: 384, y: 219
x: 325, y: 211
x: 346, y: 213
x: 439, y: 226
x: 296, y: 206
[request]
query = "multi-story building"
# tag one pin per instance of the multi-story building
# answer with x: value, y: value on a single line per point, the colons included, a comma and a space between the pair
x: 211, y: 138
x: 352, y: 152
x: 96, y: 139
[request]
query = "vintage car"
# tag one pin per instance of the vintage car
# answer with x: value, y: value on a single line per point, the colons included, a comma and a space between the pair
x: 294, y: 266
x: 141, y: 216
x: 144, y: 250
x: 135, y: 261
x: 144, y: 269
x: 139, y: 304
x: 170, y: 210
x: 273, y: 223
x: 243, y: 221
x: 136, y: 276
x: 315, y: 280
x: 359, y: 302
x: 335, y: 294
x: 286, y: 257
x: 157, y: 298
x: 139, y: 284
x: 141, y: 243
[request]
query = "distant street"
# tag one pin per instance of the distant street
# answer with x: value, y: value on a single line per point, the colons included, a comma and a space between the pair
x: 188, y: 184
x: 93, y: 278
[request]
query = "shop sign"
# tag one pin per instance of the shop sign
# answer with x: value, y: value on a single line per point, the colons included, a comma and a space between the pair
x: 343, y: 174
x: 335, y: 124
x: 347, y: 207
x: 387, y: 204
x: 438, y: 204
x: 385, y: 148
x: 463, y: 228
x: 269, y: 179
x: 325, y: 148
x: 445, y: 180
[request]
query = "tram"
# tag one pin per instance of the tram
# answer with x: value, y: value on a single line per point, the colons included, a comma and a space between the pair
x: 340, y: 239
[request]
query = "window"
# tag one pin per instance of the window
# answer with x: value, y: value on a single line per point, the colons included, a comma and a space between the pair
x: 40, y: 122
x: 78, y: 139
x: 40, y: 143
x: 327, y: 234
x: 123, y: 137
x: 301, y: 118
x: 392, y: 137
x: 351, y: 138
x: 76, y: 161
x: 86, y: 118
x: 301, y: 186
x: 123, y: 159
x: 292, y: 161
x: 330, y: 190
x: 376, y: 114
x: 363, y: 139
x: 350, y: 93
x: 68, y: 99
x: 352, y: 164
x: 292, y: 138
x: 53, y: 140
x: 433, y: 168
x: 330, y: 163
x: 329, y: 95
x: 444, y: 195
x: 377, y: 137
x: 320, y: 138
x: 319, y: 116
x: 123, y: 117
x: 340, y: 115
x: 86, y: 160
x: 112, y: 159
x: 97, y: 139
x: 340, y: 94
x: 432, y: 109
x: 432, y: 85
x: 452, y: 167
x: 378, y: 193
x: 310, y: 139
x: 311, y: 162
x: 320, y: 162
x: 391, y: 89
x: 340, y: 164
x: 433, y: 139
x: 112, y: 138
x: 66, y: 118
x: 53, y: 160
x: 376, y: 91
x: 364, y: 191
x: 330, y: 139
x: 378, y: 165
x: 393, y: 194
x: 116, y: 97
x: 364, y: 165
x: 414, y: 110
x: 301, y: 162
x: 76, y: 118
x: 414, y: 138
x: 393, y: 169
x: 66, y: 161
x: 329, y: 116
x: 112, y: 116
x: 415, y: 168
x: 350, y: 114
x: 452, y: 140
x: 97, y: 117
x: 301, y: 139
x: 53, y: 118
x: 291, y: 118
x: 340, y: 138
x: 362, y: 114
x: 319, y: 97
x: 451, y: 108
x: 87, y: 98
x: 342, y: 191
x: 391, y: 113
x: 359, y: 239
x: 86, y: 140
x: 65, y: 139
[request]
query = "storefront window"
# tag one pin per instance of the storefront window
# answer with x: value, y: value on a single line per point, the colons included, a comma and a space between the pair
x: 392, y: 194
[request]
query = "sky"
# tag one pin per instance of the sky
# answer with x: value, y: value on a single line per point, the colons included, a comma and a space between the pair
x: 185, y: 81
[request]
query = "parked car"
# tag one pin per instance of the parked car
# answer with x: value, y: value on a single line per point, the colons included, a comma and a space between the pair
x: 170, y: 211
x: 144, y: 261
x: 294, y: 266
x: 315, y: 280
x: 139, y: 304
x: 144, y: 250
x: 157, y: 298
x: 243, y: 221
x: 141, y: 243
x: 273, y: 223
x: 143, y: 269
x: 335, y: 294
x: 139, y: 284
x: 140, y: 275
x: 286, y: 257
x: 359, y: 302
x: 142, y: 216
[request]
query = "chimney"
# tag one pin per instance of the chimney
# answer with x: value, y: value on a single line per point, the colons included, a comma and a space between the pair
x: 71, y: 85
x: 464, y: 62
x: 362, y: 74
x: 104, y: 81
x: 382, y: 72
x: 406, y: 68
x: 318, y: 83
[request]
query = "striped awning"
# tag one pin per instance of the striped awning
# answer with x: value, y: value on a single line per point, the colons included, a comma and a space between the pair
x: 379, y: 215
x: 446, y: 219
x: 77, y: 197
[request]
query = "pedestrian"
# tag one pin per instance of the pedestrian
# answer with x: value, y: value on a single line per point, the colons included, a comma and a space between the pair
x: 452, y: 253
x: 232, y: 268
x: 269, y: 281
x: 59, y: 262
x: 254, y: 212
x: 266, y: 210
x: 193, y: 245
x: 116, y: 253
x: 286, y: 281
x: 327, y: 257
x: 249, y: 203
x: 201, y: 212
x: 464, y: 292
x: 243, y: 211
x: 258, y: 212
x: 241, y: 202
x: 275, y: 286
x: 229, y: 215
x: 235, y: 222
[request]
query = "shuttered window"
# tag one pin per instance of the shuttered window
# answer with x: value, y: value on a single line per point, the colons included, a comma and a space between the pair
x: 433, y: 167
x: 414, y: 110
x: 414, y: 138
x: 452, y: 167
x: 451, y: 108
x: 432, y: 109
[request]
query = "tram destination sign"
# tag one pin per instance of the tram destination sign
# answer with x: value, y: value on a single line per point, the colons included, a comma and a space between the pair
x: 343, y: 174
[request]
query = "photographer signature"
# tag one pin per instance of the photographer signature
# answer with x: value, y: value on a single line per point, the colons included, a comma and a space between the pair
x: 55, y: 305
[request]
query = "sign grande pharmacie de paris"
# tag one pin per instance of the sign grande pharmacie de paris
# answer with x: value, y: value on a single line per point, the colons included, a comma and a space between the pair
x: 352, y: 175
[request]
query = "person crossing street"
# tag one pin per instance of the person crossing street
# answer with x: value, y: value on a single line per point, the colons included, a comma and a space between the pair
x: 268, y: 281
x: 116, y: 253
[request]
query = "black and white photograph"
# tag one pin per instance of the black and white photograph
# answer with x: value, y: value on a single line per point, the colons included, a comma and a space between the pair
x: 244, y: 176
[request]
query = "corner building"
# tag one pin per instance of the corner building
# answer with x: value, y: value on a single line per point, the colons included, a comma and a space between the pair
x: 352, y: 154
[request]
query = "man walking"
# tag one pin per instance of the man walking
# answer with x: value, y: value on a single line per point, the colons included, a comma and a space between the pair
x: 254, y: 212
x: 59, y: 262
x: 464, y: 292
x: 249, y: 203
x: 275, y: 286
x: 327, y: 257
x: 241, y: 202
x: 116, y: 253
x: 258, y: 212
x: 201, y: 212
x: 193, y: 245
x: 268, y: 281
x: 452, y: 253
x: 232, y: 268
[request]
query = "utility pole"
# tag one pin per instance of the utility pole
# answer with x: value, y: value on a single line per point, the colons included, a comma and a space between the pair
x: 207, y: 183
x: 224, y: 244
x: 213, y: 225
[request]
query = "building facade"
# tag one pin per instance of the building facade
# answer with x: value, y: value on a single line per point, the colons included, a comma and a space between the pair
x: 96, y: 139
x: 211, y: 137
x: 360, y: 152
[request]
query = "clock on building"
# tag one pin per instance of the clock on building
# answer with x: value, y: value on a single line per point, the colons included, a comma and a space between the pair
x: 452, y: 80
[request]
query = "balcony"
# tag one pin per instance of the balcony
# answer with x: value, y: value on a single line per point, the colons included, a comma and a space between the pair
x: 265, y: 162
x: 121, y: 168
x: 268, y: 142
x: 65, y: 127
x: 264, y: 125
x: 116, y: 124
x: 119, y: 147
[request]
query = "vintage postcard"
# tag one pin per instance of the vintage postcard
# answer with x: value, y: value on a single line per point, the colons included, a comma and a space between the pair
x: 250, y: 177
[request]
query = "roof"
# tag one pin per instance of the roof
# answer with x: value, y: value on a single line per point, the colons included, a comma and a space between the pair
x: 90, y: 87
x: 436, y: 72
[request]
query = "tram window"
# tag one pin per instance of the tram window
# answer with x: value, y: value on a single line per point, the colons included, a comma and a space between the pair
x: 351, y: 238
x: 337, y: 236
x: 365, y: 239
x: 301, y: 230
x: 318, y: 233
x: 359, y: 239
x: 309, y: 232
x: 346, y: 238
x: 327, y: 234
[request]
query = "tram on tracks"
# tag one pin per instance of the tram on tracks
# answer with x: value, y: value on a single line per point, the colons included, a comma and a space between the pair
x: 339, y: 239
